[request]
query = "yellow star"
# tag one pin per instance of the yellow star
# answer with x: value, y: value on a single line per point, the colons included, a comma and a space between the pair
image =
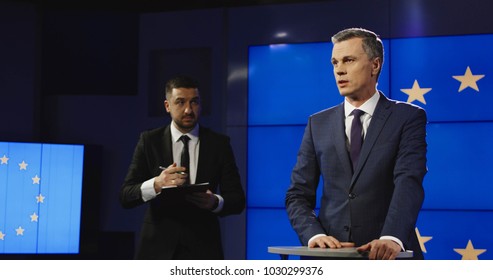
x: 469, y: 253
x: 416, y: 93
x: 422, y: 240
x: 36, y: 179
x: 4, y: 160
x: 40, y: 198
x: 19, y: 231
x: 2, y: 236
x: 23, y: 165
x: 468, y: 80
x: 34, y: 217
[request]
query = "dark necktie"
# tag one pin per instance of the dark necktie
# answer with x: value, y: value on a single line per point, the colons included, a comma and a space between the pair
x: 185, y: 156
x: 356, y: 137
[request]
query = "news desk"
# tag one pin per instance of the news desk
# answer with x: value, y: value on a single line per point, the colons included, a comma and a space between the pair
x: 325, y: 253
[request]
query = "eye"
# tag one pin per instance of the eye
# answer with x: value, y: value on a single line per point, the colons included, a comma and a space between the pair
x: 349, y: 60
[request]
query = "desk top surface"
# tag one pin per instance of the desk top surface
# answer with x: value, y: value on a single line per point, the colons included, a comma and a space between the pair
x: 351, y: 253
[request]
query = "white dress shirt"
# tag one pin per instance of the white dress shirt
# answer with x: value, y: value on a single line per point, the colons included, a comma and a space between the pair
x: 147, y: 188
x: 368, y: 107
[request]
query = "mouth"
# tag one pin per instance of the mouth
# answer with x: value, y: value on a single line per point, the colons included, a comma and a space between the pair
x: 342, y: 83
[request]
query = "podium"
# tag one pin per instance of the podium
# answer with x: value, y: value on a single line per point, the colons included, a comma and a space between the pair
x: 326, y: 253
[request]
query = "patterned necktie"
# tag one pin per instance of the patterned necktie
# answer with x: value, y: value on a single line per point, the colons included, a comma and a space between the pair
x: 185, y: 156
x: 356, y: 137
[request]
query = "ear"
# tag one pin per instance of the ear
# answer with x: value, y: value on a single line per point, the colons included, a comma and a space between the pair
x: 376, y: 66
x: 166, y: 105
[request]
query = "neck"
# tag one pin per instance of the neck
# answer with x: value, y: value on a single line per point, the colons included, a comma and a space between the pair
x: 357, y: 101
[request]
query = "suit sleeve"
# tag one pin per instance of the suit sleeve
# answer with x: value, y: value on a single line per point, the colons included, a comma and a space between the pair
x: 230, y: 183
x: 138, y: 172
x: 301, y: 195
x: 409, y: 171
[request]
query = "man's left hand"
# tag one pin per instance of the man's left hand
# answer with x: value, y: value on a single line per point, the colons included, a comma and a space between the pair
x: 380, y: 249
x: 206, y: 200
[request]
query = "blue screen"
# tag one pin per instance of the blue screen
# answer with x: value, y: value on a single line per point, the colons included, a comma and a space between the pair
x: 40, y: 198
x: 448, y: 76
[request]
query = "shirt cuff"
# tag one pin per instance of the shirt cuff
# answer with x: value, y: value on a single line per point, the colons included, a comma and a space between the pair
x: 220, y: 204
x: 396, y: 240
x: 315, y: 236
x: 147, y: 190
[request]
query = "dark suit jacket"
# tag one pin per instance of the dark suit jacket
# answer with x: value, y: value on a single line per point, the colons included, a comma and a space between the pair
x: 384, y: 194
x: 173, y: 228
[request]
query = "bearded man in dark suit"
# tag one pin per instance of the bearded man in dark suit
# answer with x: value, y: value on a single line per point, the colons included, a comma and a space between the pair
x: 177, y: 224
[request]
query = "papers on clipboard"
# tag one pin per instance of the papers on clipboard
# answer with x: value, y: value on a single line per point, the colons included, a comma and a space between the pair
x: 202, y: 187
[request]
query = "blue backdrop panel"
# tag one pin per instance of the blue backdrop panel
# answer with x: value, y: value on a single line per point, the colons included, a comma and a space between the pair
x: 451, y: 230
x: 433, y: 62
x: 40, y: 198
x: 272, y: 154
x: 268, y: 227
x: 289, y: 82
x: 459, y: 170
x: 271, y: 157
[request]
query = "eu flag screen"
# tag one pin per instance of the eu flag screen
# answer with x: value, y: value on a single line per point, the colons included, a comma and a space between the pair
x: 450, y: 77
x: 40, y: 198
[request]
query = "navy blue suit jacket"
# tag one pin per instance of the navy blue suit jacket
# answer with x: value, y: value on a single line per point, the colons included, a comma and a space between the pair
x: 172, y: 227
x: 384, y: 194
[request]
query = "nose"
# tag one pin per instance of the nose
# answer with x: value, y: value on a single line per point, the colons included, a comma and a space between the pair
x: 188, y: 108
x: 339, y: 70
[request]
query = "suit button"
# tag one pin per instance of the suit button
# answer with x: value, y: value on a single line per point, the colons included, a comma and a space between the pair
x: 352, y: 196
x: 346, y: 228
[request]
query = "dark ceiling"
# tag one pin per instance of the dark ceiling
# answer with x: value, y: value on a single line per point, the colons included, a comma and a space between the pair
x: 153, y: 5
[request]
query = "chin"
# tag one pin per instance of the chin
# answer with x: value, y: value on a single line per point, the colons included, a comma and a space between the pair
x: 344, y: 92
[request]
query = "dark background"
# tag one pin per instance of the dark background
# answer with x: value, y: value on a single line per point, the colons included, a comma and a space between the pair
x: 89, y: 72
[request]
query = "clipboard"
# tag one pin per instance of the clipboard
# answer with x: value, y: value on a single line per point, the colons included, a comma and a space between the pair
x: 186, y: 189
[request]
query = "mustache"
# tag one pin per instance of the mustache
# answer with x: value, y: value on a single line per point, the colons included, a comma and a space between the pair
x: 189, y: 115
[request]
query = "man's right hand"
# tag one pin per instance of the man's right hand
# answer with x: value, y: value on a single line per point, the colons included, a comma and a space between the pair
x: 329, y: 242
x: 171, y: 176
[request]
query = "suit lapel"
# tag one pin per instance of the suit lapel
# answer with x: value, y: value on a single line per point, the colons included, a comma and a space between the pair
x: 204, y: 151
x: 380, y: 116
x: 340, y: 138
x: 166, y: 152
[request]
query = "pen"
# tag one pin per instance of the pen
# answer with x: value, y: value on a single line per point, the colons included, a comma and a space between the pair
x: 181, y: 172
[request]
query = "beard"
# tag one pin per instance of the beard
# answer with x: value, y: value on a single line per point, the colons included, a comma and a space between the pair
x: 186, y: 124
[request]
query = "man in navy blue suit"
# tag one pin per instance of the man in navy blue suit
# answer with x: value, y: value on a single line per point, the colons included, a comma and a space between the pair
x: 371, y: 154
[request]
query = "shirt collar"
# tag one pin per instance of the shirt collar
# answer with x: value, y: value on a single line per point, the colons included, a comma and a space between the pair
x: 368, y: 107
x: 176, y: 134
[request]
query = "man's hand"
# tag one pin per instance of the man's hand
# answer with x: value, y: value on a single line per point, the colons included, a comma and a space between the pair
x: 380, y: 249
x: 206, y: 200
x: 328, y: 241
x: 171, y: 176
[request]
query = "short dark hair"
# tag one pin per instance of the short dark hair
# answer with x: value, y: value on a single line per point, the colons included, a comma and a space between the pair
x: 180, y: 82
x: 372, y: 44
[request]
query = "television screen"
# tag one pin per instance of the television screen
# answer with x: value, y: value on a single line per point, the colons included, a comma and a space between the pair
x: 40, y: 198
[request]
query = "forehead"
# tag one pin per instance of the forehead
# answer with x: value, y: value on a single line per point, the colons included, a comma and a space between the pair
x: 351, y: 47
x: 186, y: 93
